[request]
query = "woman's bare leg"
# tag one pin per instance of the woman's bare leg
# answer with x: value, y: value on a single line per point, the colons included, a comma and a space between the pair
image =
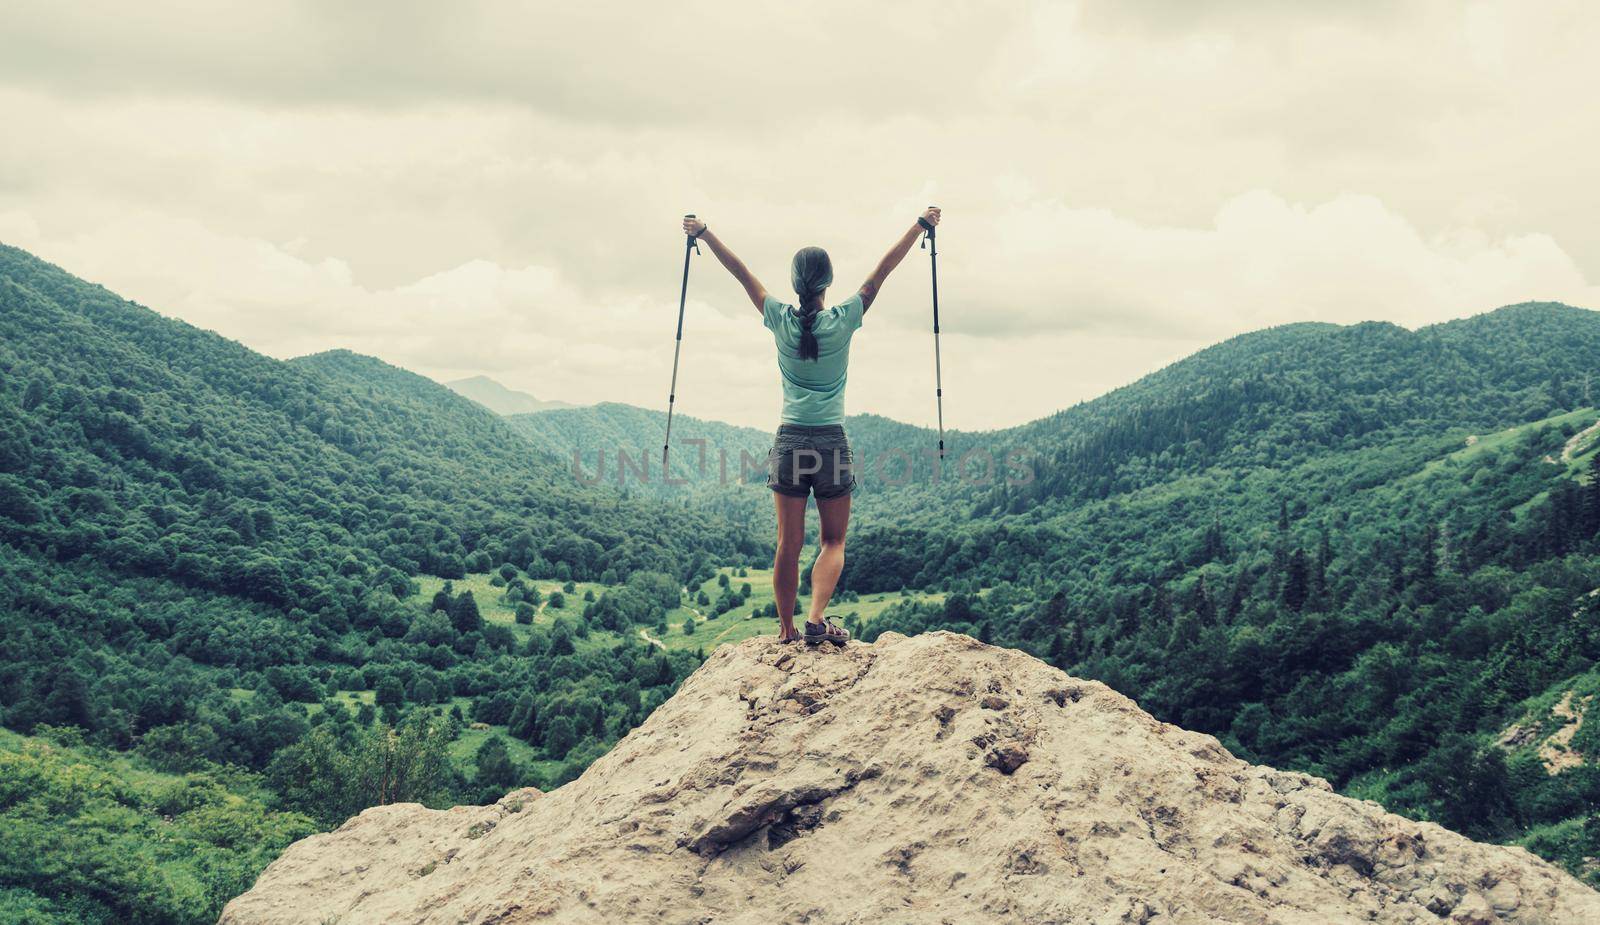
x: 835, y: 514
x: 786, y: 564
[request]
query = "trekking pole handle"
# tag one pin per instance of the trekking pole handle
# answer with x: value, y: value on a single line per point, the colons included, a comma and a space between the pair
x: 927, y: 228
x: 694, y: 239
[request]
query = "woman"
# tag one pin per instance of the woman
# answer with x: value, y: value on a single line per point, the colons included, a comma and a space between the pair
x: 811, y: 453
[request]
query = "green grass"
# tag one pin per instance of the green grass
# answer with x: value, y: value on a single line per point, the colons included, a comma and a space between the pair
x: 1585, y: 453
x: 1484, y: 443
x: 739, y: 623
x: 1539, y: 712
x: 1377, y: 786
x: 464, y: 750
x: 355, y: 699
x: 1564, y: 842
x: 491, y: 600
x: 736, y: 625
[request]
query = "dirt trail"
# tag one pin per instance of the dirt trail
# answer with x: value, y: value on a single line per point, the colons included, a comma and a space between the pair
x: 1579, y: 441
x: 1556, y: 750
x: 645, y: 634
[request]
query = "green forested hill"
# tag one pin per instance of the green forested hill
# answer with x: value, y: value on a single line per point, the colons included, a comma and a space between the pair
x: 1269, y: 399
x: 601, y: 432
x: 498, y: 398
x: 1384, y: 400
x: 399, y: 473
x: 1362, y: 551
x: 210, y: 554
x: 1277, y: 397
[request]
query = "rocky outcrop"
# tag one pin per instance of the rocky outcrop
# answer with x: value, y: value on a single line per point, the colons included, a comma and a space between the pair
x: 926, y: 779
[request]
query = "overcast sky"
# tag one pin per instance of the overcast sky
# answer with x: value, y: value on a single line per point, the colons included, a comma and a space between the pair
x: 492, y: 188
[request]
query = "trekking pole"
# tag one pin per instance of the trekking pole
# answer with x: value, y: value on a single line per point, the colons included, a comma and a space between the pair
x: 692, y: 244
x: 932, y: 246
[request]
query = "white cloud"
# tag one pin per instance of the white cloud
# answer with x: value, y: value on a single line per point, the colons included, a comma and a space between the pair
x: 1262, y: 260
x: 494, y: 189
x: 1047, y: 306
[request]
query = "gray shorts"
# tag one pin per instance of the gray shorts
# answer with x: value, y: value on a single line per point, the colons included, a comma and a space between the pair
x: 806, y: 459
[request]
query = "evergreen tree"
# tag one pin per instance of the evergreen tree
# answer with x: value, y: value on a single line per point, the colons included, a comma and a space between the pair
x: 1055, y: 610
x: 561, y: 639
x: 1319, y: 572
x: 1564, y: 515
x: 1125, y: 608
x: 497, y: 773
x: 35, y: 395
x: 1296, y: 581
x: 1213, y: 544
x: 464, y: 614
x: 1237, y: 597
x: 1184, y: 634
x: 1280, y: 550
x: 524, y: 721
x: 1160, y: 606
x: 390, y: 692
x: 1428, y: 561
x: 1074, y: 640
x: 559, y: 736
x: 68, y: 703
x: 1201, y: 603
x: 1057, y: 654
x: 1593, y: 494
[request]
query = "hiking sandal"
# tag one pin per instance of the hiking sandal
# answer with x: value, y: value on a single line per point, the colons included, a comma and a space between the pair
x: 827, y: 631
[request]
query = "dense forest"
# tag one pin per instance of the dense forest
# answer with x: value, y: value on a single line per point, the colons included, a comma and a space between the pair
x: 208, y: 559
x: 241, y: 599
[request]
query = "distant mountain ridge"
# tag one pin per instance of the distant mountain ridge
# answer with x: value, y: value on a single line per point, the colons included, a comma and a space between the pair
x: 1280, y: 395
x: 500, y: 399
x: 722, y: 467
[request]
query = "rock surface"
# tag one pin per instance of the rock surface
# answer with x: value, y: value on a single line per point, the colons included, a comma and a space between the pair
x: 927, y: 779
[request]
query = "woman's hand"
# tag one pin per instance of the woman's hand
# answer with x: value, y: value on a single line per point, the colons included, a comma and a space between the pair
x: 908, y: 238
x: 694, y: 228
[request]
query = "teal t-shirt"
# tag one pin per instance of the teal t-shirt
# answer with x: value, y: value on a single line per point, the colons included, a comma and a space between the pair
x: 813, y: 390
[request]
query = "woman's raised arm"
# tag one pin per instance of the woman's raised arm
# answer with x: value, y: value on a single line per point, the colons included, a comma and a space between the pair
x: 897, y: 253
x: 752, y: 286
